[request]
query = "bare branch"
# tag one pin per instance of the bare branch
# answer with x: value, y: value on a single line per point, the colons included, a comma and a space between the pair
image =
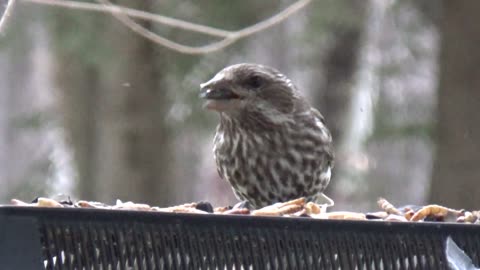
x: 176, y: 23
x: 123, y: 14
x: 276, y: 19
x: 6, y: 14
x: 137, y: 28
x: 234, y: 36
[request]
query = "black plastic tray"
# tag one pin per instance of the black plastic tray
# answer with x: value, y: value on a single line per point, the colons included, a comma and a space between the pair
x: 68, y: 238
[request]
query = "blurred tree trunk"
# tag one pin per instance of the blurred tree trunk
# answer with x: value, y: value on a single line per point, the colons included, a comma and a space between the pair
x: 24, y: 149
x: 79, y: 89
x: 134, y: 136
x: 335, y: 94
x: 456, y: 172
x: 338, y: 63
x: 114, y: 104
x: 77, y: 78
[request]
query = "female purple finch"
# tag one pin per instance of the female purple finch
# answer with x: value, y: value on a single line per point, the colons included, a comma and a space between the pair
x: 270, y: 145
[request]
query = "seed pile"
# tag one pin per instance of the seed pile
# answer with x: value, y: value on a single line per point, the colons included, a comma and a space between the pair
x: 294, y: 208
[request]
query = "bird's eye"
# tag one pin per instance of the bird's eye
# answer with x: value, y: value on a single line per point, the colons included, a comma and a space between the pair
x: 254, y: 81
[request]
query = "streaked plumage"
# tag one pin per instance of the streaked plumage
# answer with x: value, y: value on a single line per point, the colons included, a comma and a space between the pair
x: 270, y: 145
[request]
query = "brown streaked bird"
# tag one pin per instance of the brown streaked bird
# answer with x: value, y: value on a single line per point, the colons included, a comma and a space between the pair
x: 270, y: 145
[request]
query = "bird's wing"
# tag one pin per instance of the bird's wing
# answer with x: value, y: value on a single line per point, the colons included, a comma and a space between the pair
x: 328, y: 150
x: 318, y: 115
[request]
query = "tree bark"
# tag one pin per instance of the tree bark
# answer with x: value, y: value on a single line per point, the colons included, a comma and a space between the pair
x: 333, y: 95
x: 134, y: 137
x: 339, y: 65
x: 79, y: 89
x: 114, y: 104
x: 77, y: 78
x: 456, y: 171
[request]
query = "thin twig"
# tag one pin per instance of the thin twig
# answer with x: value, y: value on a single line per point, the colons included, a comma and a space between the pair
x: 122, y: 14
x: 276, y: 19
x: 213, y: 46
x: 137, y: 28
x: 134, y: 13
x: 6, y: 14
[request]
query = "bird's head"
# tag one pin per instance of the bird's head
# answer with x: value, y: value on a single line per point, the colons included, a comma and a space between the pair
x: 245, y: 88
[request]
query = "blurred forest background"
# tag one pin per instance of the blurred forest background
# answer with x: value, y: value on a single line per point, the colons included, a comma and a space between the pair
x: 90, y: 109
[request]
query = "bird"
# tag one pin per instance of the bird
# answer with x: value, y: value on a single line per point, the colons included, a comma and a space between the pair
x: 270, y: 145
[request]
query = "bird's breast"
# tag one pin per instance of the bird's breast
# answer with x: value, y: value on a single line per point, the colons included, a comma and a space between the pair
x: 273, y: 165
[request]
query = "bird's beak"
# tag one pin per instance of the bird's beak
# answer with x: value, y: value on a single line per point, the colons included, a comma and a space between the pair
x: 208, y: 92
x: 205, y: 90
x: 217, y: 98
